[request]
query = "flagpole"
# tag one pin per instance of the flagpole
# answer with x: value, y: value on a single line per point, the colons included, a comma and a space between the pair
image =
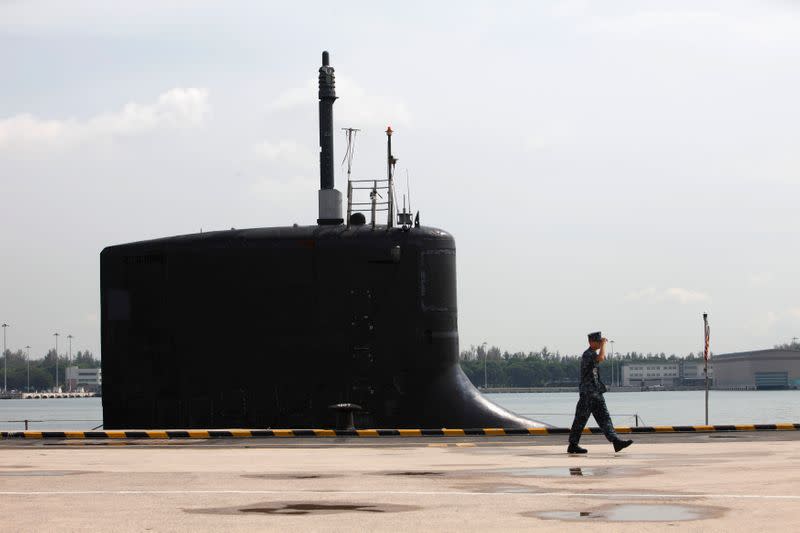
x: 706, y: 340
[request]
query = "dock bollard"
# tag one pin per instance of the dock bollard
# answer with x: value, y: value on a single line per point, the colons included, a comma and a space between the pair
x: 344, y: 415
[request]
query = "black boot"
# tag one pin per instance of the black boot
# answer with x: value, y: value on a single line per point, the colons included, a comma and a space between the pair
x: 574, y: 448
x: 620, y: 444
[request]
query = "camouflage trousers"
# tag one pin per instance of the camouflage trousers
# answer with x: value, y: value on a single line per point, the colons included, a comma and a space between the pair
x: 591, y: 404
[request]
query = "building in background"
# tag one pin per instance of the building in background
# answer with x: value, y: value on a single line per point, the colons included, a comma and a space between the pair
x: 649, y: 374
x: 88, y: 379
x: 665, y: 374
x: 693, y: 374
x: 760, y: 369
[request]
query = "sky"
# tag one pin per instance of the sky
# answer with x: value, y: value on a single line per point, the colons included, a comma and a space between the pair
x: 620, y: 166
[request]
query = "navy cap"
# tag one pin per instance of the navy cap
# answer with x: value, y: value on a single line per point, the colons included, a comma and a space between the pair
x: 596, y: 336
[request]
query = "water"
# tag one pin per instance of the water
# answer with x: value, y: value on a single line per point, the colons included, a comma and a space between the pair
x: 662, y: 408
x: 655, y: 408
x: 57, y: 413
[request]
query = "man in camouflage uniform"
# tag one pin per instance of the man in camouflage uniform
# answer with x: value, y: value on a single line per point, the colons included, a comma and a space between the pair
x: 591, y: 400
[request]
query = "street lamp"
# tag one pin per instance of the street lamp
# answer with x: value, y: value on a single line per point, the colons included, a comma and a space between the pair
x: 485, y: 353
x: 28, y: 359
x: 5, y: 360
x: 56, y: 336
x: 69, y: 360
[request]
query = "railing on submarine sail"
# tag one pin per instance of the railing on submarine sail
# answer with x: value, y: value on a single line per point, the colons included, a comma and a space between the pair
x: 375, y: 206
x: 636, y: 416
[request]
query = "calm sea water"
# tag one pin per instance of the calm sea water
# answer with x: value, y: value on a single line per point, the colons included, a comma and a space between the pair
x: 656, y: 408
x: 557, y: 408
x: 62, y: 413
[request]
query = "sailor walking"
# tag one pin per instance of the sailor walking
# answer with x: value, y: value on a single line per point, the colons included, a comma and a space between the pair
x: 591, y: 401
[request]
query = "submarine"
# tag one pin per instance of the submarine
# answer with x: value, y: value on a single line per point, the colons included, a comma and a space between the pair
x: 271, y: 327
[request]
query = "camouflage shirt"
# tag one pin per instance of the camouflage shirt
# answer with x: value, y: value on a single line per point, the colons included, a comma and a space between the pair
x: 590, y: 374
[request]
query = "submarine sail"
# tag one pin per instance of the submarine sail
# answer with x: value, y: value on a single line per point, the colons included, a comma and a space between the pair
x: 269, y: 327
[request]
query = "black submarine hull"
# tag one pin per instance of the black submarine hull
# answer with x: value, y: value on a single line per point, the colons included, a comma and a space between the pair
x: 269, y: 327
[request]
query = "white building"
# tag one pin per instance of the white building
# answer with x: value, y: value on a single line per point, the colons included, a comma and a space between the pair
x: 665, y: 373
x: 87, y: 378
x: 650, y: 374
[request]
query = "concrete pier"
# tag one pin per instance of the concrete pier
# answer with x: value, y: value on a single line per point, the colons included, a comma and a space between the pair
x: 708, y: 482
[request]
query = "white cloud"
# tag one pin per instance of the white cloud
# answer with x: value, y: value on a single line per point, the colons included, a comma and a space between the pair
x: 287, y: 151
x: 286, y: 188
x: 761, y: 279
x: 357, y: 106
x: 672, y: 294
x: 684, y: 295
x: 682, y: 24
x: 774, y: 325
x: 291, y: 199
x: 178, y: 107
x: 295, y: 97
x: 645, y: 22
x: 643, y: 294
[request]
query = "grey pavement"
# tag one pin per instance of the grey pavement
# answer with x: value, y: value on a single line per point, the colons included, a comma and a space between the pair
x: 703, y: 482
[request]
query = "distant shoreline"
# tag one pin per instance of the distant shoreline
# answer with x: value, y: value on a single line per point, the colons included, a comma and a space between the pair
x: 504, y: 390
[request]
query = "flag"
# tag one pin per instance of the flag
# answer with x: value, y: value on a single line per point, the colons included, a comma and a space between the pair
x: 707, y: 330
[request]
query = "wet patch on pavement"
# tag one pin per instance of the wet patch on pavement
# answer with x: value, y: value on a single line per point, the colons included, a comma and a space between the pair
x: 502, y: 488
x: 575, y: 471
x: 413, y: 473
x: 307, y: 475
x: 633, y: 512
x: 307, y: 508
x: 41, y: 473
x: 462, y: 465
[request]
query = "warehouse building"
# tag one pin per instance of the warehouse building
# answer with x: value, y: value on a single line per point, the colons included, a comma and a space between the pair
x: 760, y: 369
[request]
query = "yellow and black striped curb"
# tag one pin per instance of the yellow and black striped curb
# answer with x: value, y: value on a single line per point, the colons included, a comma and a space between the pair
x: 444, y: 432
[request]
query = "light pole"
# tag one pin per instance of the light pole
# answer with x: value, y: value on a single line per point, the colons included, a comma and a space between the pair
x: 28, y: 359
x: 69, y: 360
x: 5, y: 360
x: 485, y: 354
x: 612, y: 363
x: 56, y: 336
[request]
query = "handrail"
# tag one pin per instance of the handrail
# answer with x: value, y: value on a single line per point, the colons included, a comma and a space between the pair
x: 29, y: 421
x: 636, y: 416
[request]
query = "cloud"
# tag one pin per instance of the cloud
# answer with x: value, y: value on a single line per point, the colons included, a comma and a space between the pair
x: 287, y: 199
x: 682, y: 24
x: 178, y: 107
x: 761, y: 279
x: 672, y: 294
x: 775, y: 323
x: 356, y: 106
x: 290, y: 187
x: 287, y: 151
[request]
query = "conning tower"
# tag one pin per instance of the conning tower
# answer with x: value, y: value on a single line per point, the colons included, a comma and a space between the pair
x: 268, y: 327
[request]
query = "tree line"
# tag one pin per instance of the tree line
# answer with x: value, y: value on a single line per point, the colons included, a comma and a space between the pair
x: 42, y: 371
x: 545, y: 368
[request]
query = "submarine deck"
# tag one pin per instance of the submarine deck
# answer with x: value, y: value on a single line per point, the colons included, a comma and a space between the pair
x: 716, y: 481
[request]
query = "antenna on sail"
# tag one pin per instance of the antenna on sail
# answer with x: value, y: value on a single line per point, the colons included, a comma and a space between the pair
x: 350, y: 137
x: 391, y: 161
x: 404, y: 218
